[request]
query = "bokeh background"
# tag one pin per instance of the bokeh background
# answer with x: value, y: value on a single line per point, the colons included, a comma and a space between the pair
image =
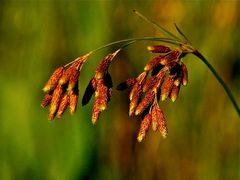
x: 39, y: 35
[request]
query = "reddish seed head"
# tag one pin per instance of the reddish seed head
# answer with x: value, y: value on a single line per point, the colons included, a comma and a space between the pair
x: 73, y: 79
x: 53, y: 80
x: 144, y: 127
x: 167, y: 87
x: 56, y: 97
x: 145, y: 103
x: 68, y: 73
x: 46, y: 100
x: 73, y: 100
x: 185, y: 75
x: 174, y: 93
x: 153, y: 63
x: 63, y: 106
x: 172, y: 56
x: 159, y: 49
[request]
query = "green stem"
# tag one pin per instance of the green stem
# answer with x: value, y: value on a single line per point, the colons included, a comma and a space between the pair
x: 131, y: 41
x: 220, y: 80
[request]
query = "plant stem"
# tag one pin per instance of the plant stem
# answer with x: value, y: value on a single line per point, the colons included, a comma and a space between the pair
x: 220, y: 80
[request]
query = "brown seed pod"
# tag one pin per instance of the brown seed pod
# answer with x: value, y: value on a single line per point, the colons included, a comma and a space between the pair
x: 95, y: 113
x: 56, y: 97
x: 46, y: 100
x: 174, y: 93
x: 158, y: 121
x: 126, y: 84
x: 91, y: 88
x: 145, y: 103
x: 153, y: 63
x: 135, y: 99
x: 53, y: 80
x: 73, y: 99
x: 144, y: 127
x: 159, y: 49
x: 170, y: 57
x: 149, y: 83
x: 160, y: 78
x: 167, y: 87
x: 68, y: 73
x: 63, y: 105
x: 73, y: 79
x: 185, y: 75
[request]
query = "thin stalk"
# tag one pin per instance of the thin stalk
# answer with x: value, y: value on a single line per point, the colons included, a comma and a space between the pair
x: 131, y: 41
x: 220, y: 80
x: 163, y: 30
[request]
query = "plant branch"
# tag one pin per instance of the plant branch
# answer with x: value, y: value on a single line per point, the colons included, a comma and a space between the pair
x: 220, y: 80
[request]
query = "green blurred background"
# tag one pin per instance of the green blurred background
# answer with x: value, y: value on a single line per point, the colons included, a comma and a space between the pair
x: 38, y: 36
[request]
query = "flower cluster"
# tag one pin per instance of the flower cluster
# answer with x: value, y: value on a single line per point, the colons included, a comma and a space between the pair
x: 161, y: 79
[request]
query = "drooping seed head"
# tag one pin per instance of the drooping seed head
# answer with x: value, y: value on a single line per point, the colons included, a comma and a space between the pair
x: 159, y: 49
x: 167, y: 87
x: 135, y: 100
x: 46, y: 100
x: 144, y: 127
x: 145, y: 103
x: 170, y: 57
x: 149, y: 83
x: 56, y: 97
x: 73, y: 79
x: 63, y: 105
x: 174, y: 93
x: 185, y: 74
x: 69, y: 72
x: 153, y: 63
x: 73, y: 99
x: 53, y: 80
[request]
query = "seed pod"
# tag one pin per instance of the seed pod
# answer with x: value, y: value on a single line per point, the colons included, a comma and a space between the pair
x: 145, y: 103
x: 167, y: 87
x: 170, y: 57
x: 101, y: 95
x: 73, y: 79
x: 73, y: 99
x: 56, y: 97
x: 153, y: 63
x: 185, y: 75
x: 159, y: 49
x: 135, y: 99
x: 69, y: 72
x: 104, y: 64
x: 144, y: 127
x: 160, y: 79
x: 95, y: 113
x: 126, y: 84
x: 174, y: 93
x: 91, y: 87
x: 138, y: 85
x: 158, y: 121
x: 46, y: 100
x: 63, y: 106
x: 149, y: 83
x: 53, y: 80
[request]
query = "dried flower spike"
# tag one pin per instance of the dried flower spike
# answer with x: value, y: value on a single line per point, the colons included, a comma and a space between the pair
x: 145, y: 124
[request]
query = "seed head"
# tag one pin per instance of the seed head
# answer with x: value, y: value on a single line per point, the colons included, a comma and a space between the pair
x: 185, y: 74
x: 167, y: 87
x: 46, y: 100
x: 63, y: 105
x: 174, y: 93
x: 153, y: 63
x: 145, y: 103
x: 144, y: 127
x: 170, y: 57
x: 73, y: 79
x: 159, y: 49
x: 56, y: 97
x: 73, y: 99
x: 53, y: 80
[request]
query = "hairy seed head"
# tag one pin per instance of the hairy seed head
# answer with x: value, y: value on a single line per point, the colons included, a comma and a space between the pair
x: 46, y: 100
x: 145, y: 103
x: 167, y: 87
x: 53, y: 80
x: 185, y: 75
x: 159, y: 49
x: 144, y: 127
x: 63, y: 105
x: 56, y: 97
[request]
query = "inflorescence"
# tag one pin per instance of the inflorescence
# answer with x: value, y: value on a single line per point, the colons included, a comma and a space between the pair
x: 161, y: 79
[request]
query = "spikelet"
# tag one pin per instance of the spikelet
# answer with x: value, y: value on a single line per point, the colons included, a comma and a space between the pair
x: 153, y: 63
x: 95, y: 113
x: 73, y: 79
x: 126, y: 84
x: 185, y: 74
x: 56, y: 97
x: 145, y: 103
x: 46, y: 100
x: 138, y: 85
x: 167, y: 87
x: 149, y: 83
x: 104, y: 64
x: 73, y: 99
x: 53, y: 80
x: 174, y: 93
x: 68, y: 73
x: 144, y: 127
x: 135, y: 96
x: 63, y: 105
x: 159, y: 49
x: 170, y: 57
